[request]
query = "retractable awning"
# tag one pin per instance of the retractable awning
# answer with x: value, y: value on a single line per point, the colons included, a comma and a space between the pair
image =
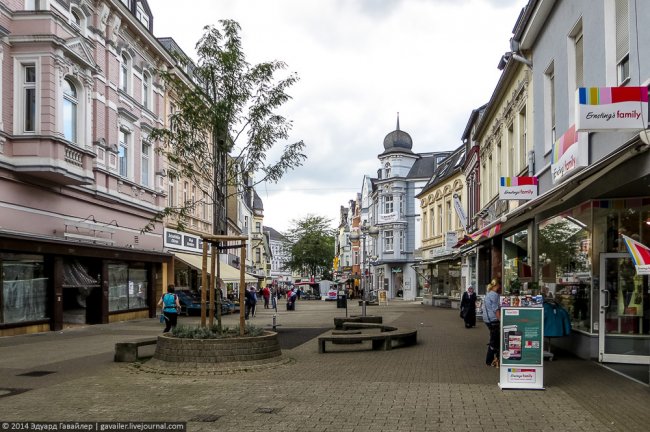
x: 227, y: 272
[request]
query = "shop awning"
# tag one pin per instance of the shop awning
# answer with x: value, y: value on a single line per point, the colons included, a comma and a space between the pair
x: 227, y: 272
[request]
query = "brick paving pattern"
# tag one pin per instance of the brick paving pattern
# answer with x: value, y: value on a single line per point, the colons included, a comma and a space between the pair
x: 441, y: 384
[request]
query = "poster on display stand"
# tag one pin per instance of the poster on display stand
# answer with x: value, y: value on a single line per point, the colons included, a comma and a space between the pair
x: 522, y: 350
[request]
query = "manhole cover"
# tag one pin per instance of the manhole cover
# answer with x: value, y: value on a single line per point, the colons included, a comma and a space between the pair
x: 36, y: 373
x: 6, y: 392
x: 206, y: 418
x: 267, y: 410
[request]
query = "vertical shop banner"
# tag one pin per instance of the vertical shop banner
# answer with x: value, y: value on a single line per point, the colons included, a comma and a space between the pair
x: 569, y: 154
x: 522, y: 355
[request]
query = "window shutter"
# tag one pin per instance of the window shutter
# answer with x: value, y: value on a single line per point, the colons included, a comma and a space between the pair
x: 580, y: 75
x: 622, y: 29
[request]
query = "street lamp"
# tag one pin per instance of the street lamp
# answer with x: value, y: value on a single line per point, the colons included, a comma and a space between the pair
x: 364, y: 231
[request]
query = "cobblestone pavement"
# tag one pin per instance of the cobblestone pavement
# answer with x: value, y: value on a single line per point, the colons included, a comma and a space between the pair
x: 441, y: 384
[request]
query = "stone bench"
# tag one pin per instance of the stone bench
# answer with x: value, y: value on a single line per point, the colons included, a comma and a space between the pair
x: 382, y: 340
x: 338, y: 322
x: 128, y: 351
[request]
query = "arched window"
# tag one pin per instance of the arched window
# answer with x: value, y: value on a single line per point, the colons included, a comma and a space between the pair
x: 125, y: 72
x: 387, y: 169
x: 70, y: 110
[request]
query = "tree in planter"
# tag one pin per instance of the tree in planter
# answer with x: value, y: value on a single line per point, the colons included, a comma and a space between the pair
x: 310, y: 246
x: 224, y: 125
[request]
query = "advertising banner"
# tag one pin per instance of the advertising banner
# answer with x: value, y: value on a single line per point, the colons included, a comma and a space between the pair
x: 611, y: 108
x: 522, y: 355
x: 569, y: 154
x: 518, y: 188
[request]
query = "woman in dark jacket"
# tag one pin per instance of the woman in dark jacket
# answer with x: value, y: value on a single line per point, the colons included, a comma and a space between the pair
x: 468, y: 307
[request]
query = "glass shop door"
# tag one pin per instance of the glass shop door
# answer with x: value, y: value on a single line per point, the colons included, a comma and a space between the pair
x: 624, y: 321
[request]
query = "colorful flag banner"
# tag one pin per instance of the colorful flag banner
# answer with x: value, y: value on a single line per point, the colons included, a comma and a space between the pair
x: 611, y: 108
x: 640, y: 255
x: 518, y: 188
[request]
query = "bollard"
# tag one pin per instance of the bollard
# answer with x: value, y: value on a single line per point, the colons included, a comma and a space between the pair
x: 363, y: 308
x: 273, y: 322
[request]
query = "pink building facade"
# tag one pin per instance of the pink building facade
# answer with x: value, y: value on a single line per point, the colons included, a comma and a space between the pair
x: 79, y: 178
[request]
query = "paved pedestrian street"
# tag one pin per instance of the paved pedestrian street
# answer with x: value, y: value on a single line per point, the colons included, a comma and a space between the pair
x: 441, y: 384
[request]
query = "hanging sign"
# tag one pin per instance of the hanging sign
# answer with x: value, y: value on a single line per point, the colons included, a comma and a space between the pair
x: 569, y: 154
x: 522, y: 355
x: 611, y: 108
x: 518, y: 188
x: 458, y: 206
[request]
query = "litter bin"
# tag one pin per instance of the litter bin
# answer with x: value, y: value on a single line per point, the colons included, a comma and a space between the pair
x: 341, y: 300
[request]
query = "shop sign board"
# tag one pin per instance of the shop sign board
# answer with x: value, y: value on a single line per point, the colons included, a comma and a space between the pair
x: 569, y: 154
x: 518, y: 188
x: 451, y: 238
x: 522, y: 355
x: 387, y: 217
x: 182, y: 241
x: 611, y: 108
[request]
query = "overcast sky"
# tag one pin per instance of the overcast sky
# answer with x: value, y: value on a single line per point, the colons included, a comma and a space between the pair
x: 359, y: 62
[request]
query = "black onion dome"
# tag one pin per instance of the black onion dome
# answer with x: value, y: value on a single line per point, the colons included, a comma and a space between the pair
x: 398, y: 140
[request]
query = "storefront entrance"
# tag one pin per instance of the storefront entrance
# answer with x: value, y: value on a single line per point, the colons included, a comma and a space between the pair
x: 624, y: 321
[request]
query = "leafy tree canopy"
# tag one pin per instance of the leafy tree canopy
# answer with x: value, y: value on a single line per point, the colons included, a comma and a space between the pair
x: 224, y: 122
x: 310, y: 246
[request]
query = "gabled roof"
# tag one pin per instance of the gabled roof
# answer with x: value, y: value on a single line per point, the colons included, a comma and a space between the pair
x: 273, y: 234
x: 448, y: 167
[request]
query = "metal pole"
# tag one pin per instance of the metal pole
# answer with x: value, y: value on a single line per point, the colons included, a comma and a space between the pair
x: 363, y: 278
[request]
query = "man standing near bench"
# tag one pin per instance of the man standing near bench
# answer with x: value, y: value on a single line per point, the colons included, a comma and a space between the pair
x: 170, y: 307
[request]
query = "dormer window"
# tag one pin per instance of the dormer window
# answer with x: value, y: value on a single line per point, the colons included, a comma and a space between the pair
x: 142, y: 15
x: 76, y: 20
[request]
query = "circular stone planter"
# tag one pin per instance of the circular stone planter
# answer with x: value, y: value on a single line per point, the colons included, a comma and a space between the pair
x: 215, y: 356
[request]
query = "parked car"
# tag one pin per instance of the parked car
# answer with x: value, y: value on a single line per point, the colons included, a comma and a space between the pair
x: 189, y: 305
x: 330, y: 295
x: 194, y: 297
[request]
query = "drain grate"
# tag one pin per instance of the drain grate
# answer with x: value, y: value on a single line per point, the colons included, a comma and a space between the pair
x: 205, y: 418
x: 36, y: 373
x: 6, y: 392
x: 267, y: 410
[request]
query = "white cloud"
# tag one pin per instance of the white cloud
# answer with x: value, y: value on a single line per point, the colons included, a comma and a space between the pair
x: 359, y: 62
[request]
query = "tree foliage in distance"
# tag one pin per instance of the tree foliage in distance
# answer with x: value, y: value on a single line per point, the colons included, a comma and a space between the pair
x: 309, y: 243
x: 225, y: 122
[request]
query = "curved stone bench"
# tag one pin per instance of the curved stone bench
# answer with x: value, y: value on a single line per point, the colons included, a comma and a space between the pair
x: 386, y: 339
x: 338, y: 322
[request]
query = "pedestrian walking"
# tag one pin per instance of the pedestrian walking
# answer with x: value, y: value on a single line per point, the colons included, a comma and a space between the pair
x: 492, y: 319
x: 468, y: 307
x: 253, y: 300
x: 266, y: 293
x: 170, y: 308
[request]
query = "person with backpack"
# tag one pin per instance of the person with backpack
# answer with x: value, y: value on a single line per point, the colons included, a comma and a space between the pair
x: 170, y: 307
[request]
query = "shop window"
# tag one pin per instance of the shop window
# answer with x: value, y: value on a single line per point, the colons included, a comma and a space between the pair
x: 517, y: 269
x: 127, y: 287
x: 564, y: 246
x: 24, y: 289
